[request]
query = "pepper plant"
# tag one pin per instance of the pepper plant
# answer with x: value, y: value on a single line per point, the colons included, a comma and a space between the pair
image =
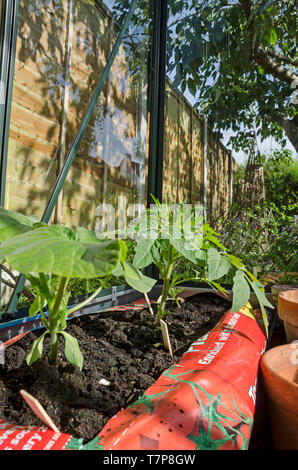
x: 51, y: 255
x: 184, y: 248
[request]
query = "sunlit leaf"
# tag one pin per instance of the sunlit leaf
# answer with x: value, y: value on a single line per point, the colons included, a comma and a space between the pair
x: 241, y: 291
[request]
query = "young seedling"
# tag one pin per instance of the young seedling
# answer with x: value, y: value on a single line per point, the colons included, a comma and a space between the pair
x: 51, y: 255
x: 184, y: 248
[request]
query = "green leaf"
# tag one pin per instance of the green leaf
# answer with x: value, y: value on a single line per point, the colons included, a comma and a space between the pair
x: 187, y: 248
x: 218, y: 265
x: 12, y: 223
x: 235, y: 261
x: 36, y: 350
x: 263, y: 301
x: 241, y: 291
x: 213, y: 240
x: 37, y: 285
x: 84, y: 235
x: 273, y: 36
x: 131, y: 272
x: 52, y: 250
x: 252, y: 277
x: 143, y: 256
x: 136, y: 279
x: 72, y: 350
x: 258, y: 290
x: 37, y: 305
x: 123, y: 250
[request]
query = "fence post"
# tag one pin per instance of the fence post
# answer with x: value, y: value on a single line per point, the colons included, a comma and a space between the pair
x: 8, y: 37
x: 230, y: 177
x: 205, y: 163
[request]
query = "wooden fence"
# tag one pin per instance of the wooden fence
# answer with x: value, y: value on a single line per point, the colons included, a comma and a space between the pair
x: 197, y: 166
x: 62, y: 47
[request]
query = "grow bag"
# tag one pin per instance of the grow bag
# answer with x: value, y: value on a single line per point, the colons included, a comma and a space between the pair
x: 205, y: 401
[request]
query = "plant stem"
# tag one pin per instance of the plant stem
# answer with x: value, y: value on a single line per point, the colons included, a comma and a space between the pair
x: 53, y: 318
x: 166, y: 283
x: 85, y: 302
x: 53, y: 349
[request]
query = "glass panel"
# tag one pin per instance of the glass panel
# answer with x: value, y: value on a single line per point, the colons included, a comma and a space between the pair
x: 182, y: 149
x: 108, y: 173
x: 62, y: 48
x: 235, y: 62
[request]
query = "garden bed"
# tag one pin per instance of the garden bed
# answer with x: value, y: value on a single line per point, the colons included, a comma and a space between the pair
x: 122, y: 348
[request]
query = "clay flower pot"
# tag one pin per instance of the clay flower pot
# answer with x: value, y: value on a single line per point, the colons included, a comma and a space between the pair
x: 288, y: 313
x: 280, y: 373
x: 277, y: 289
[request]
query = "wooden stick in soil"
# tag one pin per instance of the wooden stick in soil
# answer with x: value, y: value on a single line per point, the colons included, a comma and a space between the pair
x: 166, y: 337
x: 38, y: 410
x: 148, y: 303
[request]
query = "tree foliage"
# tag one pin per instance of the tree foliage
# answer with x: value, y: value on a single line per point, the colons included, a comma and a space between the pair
x: 238, y: 58
x: 281, y: 179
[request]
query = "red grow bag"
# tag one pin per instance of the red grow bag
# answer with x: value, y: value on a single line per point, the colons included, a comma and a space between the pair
x: 206, y: 401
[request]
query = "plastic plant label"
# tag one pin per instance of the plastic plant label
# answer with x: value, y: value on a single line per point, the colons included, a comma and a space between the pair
x: 166, y: 337
x: 38, y: 410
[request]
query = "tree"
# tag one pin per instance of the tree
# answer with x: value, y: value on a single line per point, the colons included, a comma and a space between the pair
x: 238, y: 58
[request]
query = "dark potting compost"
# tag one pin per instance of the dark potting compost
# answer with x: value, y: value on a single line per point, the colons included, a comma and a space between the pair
x: 123, y: 355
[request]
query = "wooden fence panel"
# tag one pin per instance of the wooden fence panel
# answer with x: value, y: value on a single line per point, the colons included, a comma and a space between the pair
x: 171, y: 147
x: 60, y: 55
x: 50, y: 96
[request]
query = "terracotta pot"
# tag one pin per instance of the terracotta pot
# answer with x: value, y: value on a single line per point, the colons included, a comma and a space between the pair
x: 280, y: 373
x: 277, y: 289
x: 288, y: 313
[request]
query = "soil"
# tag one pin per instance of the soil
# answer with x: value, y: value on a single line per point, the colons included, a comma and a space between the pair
x: 123, y: 347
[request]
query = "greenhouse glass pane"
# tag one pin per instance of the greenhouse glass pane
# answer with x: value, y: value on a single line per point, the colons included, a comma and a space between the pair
x: 107, y: 179
x: 234, y: 62
x: 62, y: 49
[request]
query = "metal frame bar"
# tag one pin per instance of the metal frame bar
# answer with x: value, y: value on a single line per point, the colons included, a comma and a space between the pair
x: 157, y: 101
x: 8, y: 35
x: 11, y: 307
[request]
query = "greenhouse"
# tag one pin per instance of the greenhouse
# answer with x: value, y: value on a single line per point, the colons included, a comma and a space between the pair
x: 148, y: 226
